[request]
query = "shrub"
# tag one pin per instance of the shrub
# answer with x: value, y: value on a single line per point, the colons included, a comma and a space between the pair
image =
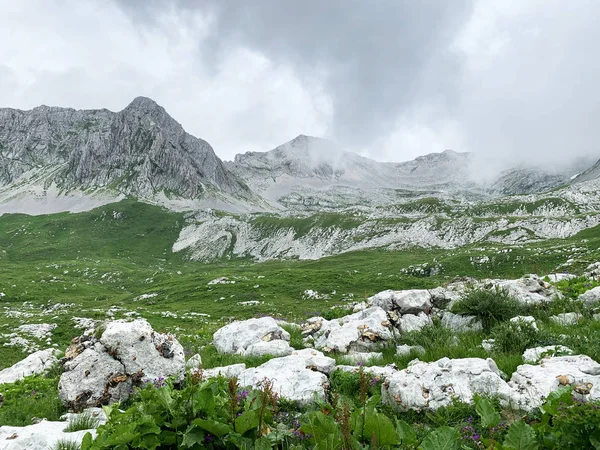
x: 490, y: 306
x: 514, y: 337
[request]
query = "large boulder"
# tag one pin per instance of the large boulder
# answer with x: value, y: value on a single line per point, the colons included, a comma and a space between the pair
x: 253, y: 337
x: 429, y: 386
x: 103, y: 370
x: 533, y: 383
x: 411, y: 301
x: 362, y: 331
x: 297, y: 377
x: 529, y: 290
x: 458, y: 322
x: 36, y: 363
x: 414, y: 322
x: 590, y: 297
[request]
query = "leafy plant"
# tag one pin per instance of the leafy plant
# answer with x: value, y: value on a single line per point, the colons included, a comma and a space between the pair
x: 491, y: 306
x: 514, y: 337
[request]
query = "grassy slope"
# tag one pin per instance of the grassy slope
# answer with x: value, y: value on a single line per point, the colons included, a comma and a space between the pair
x: 111, y: 255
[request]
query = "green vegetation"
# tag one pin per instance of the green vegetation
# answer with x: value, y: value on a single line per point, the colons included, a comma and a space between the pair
x: 30, y: 398
x: 81, y: 422
x: 489, y: 306
x: 218, y: 414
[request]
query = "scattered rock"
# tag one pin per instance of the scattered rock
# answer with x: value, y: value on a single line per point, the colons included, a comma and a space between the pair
x: 488, y: 345
x: 407, y: 350
x: 238, y: 337
x: 410, y: 322
x: 45, y: 434
x: 363, y: 357
x: 529, y: 320
x: 590, y: 297
x: 102, y: 371
x: 535, y: 355
x: 432, y: 385
x: 533, y: 383
x: 36, y: 363
x: 297, y: 377
x: 381, y: 372
x: 359, y: 332
x: 195, y: 362
x: 565, y: 319
x: 529, y: 290
x: 232, y: 371
x: 411, y: 301
x: 457, y: 322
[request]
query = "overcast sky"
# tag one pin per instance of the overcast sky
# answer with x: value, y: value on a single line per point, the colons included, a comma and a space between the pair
x: 388, y: 79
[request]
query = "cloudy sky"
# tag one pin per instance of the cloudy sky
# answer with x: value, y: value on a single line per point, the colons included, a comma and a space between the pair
x: 390, y: 79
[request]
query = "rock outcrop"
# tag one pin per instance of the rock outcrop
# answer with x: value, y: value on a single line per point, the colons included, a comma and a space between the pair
x: 253, y: 337
x: 36, y: 363
x: 103, y: 370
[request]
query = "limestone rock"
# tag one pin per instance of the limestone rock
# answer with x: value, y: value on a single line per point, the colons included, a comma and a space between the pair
x: 411, y: 301
x: 535, y: 355
x: 529, y: 320
x: 295, y: 377
x: 406, y: 350
x: 530, y: 290
x: 458, y: 322
x: 590, y: 297
x: 36, y: 363
x: 565, y: 319
x: 412, y: 322
x: 361, y: 357
x: 429, y: 386
x: 195, y: 362
x: 102, y: 371
x: 380, y: 372
x: 237, y: 337
x: 533, y: 383
x: 232, y: 371
x: 359, y: 332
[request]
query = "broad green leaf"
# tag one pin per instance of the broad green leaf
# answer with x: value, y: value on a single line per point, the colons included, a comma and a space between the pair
x: 204, y: 400
x: 262, y: 444
x: 595, y: 439
x: 520, y: 436
x: 405, y: 432
x: 555, y: 398
x: 193, y: 436
x: 86, y: 443
x: 377, y: 426
x: 485, y: 409
x: 217, y: 428
x: 247, y: 421
x: 443, y: 438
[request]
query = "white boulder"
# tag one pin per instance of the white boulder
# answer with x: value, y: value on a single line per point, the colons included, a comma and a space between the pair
x: 295, y: 377
x: 533, y: 383
x: 411, y: 301
x: 238, y: 336
x: 407, y: 350
x: 429, y: 386
x: 590, y: 297
x: 412, y: 322
x: 565, y: 319
x: 36, y: 363
x: 380, y: 372
x: 359, y: 332
x: 457, y: 322
x: 530, y: 290
x: 526, y: 320
x: 232, y: 371
x: 535, y: 355
x: 361, y: 357
x: 102, y: 371
x: 42, y: 436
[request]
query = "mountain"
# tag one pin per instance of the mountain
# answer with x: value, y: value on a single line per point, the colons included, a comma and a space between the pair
x: 138, y: 151
x: 310, y: 171
x: 592, y: 173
